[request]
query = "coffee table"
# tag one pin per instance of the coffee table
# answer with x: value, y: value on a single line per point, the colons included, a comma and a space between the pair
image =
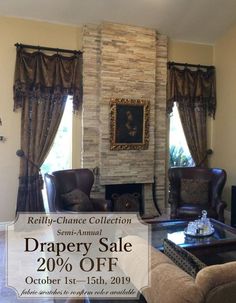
x: 223, y: 239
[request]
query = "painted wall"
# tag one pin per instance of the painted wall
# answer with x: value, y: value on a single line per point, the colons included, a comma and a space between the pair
x: 190, y: 52
x: 224, y: 126
x: 14, y: 30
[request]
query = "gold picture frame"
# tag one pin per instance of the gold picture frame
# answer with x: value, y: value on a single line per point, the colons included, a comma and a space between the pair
x: 129, y: 124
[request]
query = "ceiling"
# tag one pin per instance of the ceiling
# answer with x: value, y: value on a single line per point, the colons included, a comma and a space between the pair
x: 201, y: 21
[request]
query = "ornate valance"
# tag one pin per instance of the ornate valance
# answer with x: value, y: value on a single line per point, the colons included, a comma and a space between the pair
x: 38, y: 75
x: 195, y: 88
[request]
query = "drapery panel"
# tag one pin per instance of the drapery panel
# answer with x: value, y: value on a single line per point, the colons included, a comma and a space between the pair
x: 38, y: 75
x: 194, y: 91
x: 39, y: 125
x: 42, y: 85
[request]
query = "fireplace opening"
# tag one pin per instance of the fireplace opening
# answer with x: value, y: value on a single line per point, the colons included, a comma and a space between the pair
x: 125, y: 197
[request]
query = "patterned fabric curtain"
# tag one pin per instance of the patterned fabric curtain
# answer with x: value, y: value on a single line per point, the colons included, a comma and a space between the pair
x: 38, y: 75
x: 42, y: 84
x: 195, y: 94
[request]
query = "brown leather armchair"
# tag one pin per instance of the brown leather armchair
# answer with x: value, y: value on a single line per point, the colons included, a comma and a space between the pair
x: 62, y: 182
x: 193, y: 189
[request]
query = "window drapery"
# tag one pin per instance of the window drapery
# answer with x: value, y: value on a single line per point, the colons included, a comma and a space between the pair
x: 194, y: 91
x: 38, y: 75
x: 42, y: 84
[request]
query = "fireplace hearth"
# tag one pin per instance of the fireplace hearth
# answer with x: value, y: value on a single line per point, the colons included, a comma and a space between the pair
x: 126, y: 197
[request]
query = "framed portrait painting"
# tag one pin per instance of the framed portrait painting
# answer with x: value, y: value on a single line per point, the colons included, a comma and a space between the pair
x: 129, y: 125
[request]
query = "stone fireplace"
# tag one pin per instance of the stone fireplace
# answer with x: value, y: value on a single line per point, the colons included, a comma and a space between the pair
x: 122, y: 61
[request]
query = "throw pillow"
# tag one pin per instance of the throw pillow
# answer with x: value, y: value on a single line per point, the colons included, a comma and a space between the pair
x: 77, y: 200
x: 194, y: 191
x: 182, y: 258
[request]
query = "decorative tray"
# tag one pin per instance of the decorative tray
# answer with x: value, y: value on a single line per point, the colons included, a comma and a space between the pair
x: 206, y: 234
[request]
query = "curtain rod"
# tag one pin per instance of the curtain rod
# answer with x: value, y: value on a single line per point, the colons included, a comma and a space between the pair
x: 60, y: 50
x: 169, y: 64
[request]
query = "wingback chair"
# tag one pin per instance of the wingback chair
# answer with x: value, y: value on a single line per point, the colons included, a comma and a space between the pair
x: 193, y: 189
x: 69, y: 190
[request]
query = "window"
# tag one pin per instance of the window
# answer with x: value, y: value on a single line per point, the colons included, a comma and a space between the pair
x: 60, y: 155
x: 179, y: 154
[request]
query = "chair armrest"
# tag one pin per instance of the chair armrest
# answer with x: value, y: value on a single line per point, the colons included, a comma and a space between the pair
x: 180, y: 285
x: 51, y: 192
x: 173, y: 201
x: 101, y: 204
x: 220, y: 206
x: 216, y: 276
